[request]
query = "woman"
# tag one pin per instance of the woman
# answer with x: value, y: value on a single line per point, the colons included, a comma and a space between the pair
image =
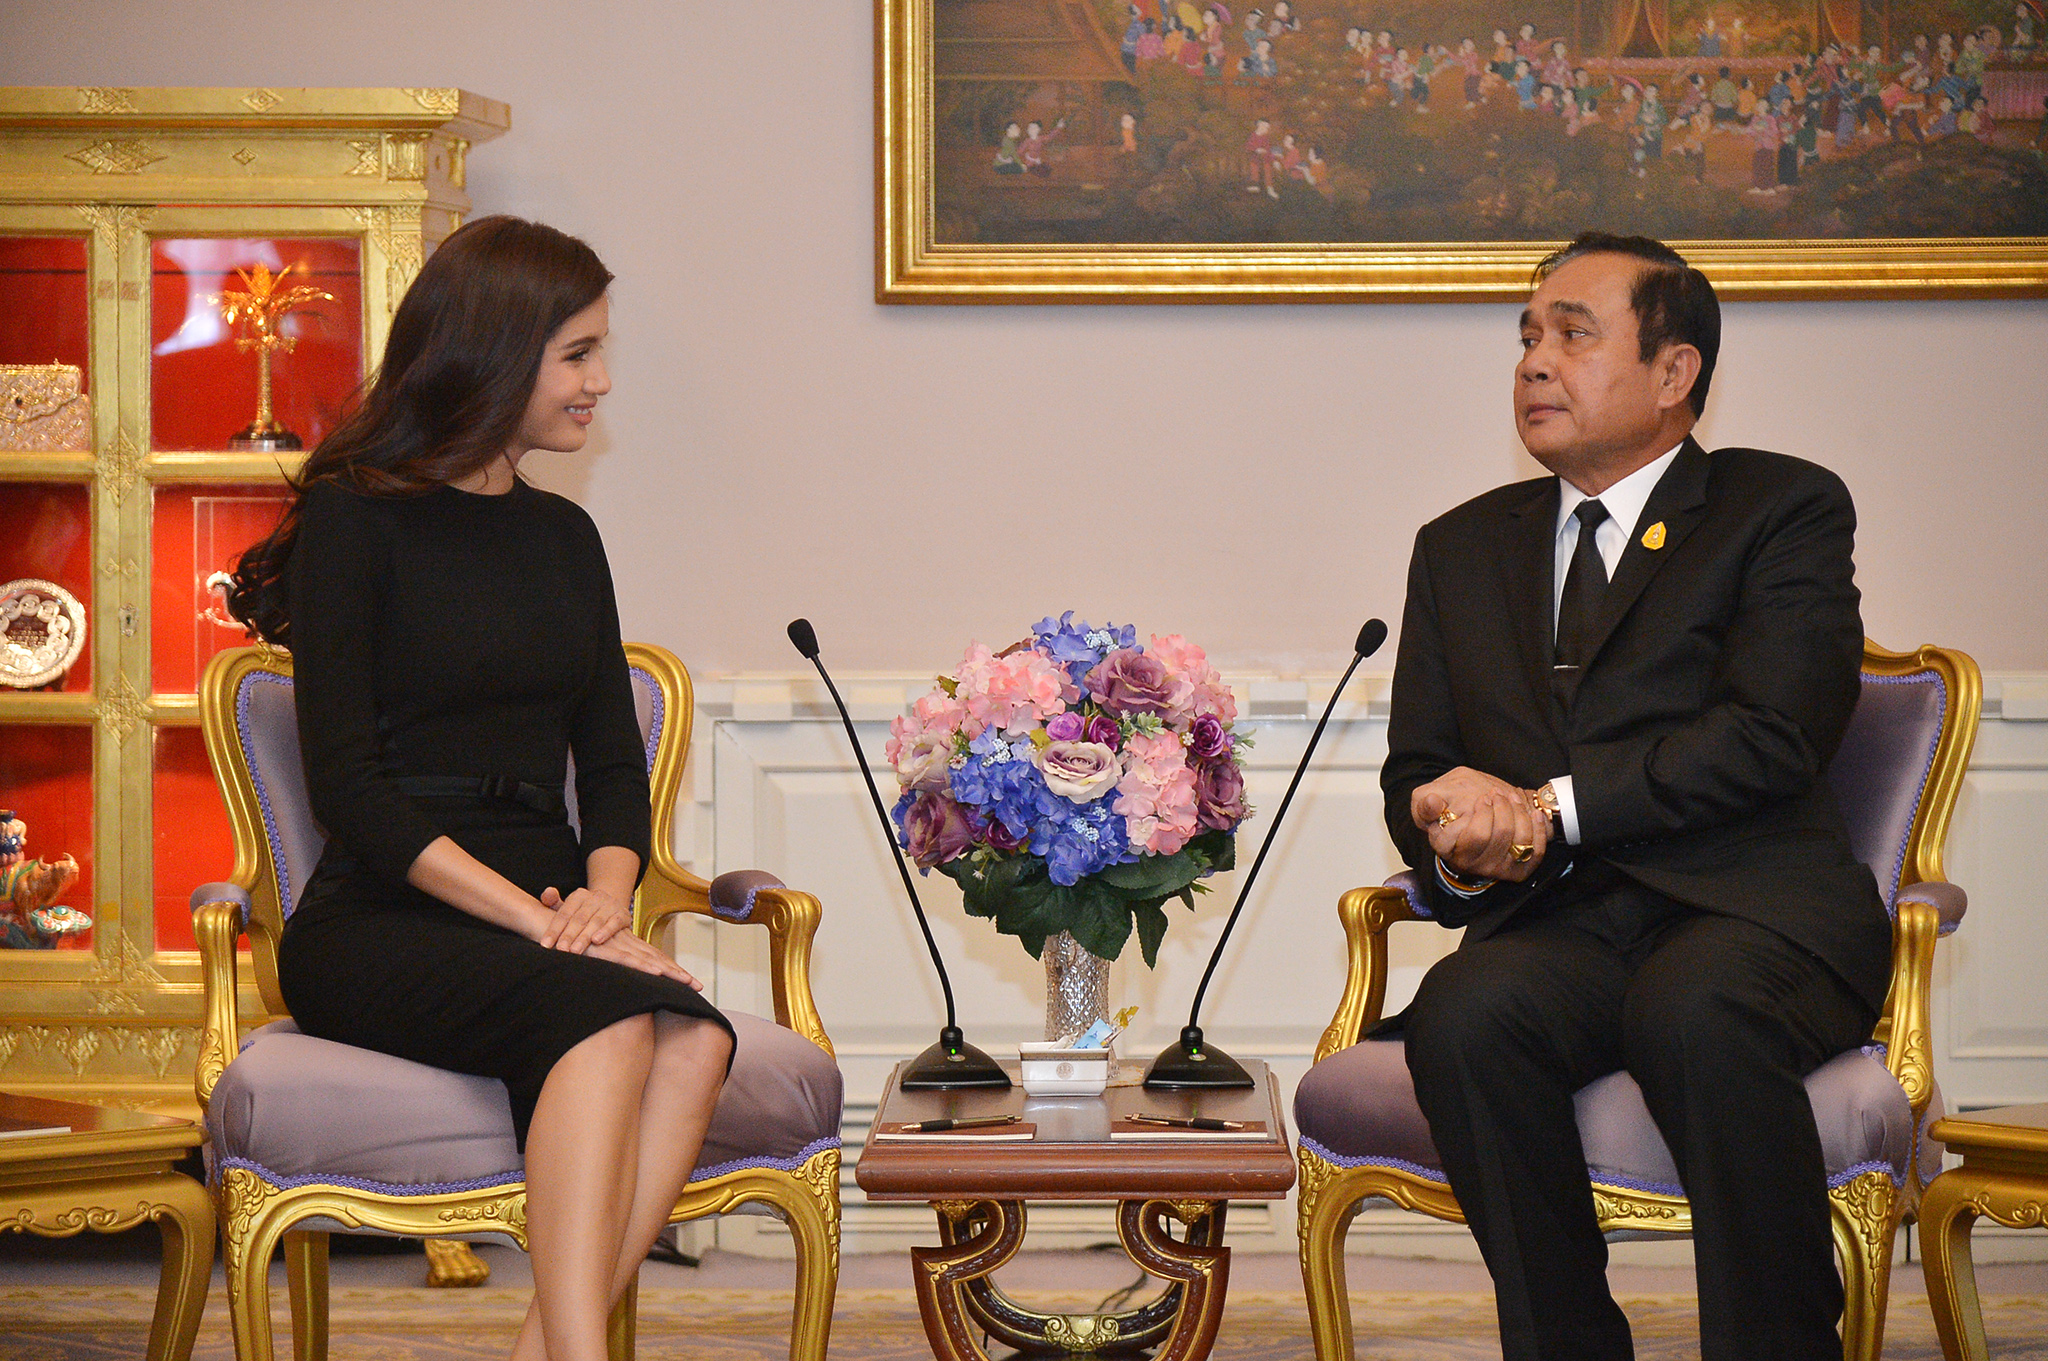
x: 454, y: 639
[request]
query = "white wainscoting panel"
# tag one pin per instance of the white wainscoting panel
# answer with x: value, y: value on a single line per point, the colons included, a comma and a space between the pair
x: 774, y: 786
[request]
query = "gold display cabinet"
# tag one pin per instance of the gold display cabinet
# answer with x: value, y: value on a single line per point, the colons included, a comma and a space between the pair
x: 125, y: 216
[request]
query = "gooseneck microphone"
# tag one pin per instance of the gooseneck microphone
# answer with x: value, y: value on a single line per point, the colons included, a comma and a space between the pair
x: 1188, y: 1062
x: 952, y: 1063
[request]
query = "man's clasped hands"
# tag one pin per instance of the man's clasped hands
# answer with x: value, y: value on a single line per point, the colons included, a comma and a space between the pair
x: 1482, y: 829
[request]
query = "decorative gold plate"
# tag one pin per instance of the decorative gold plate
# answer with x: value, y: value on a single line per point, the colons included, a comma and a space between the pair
x: 42, y: 632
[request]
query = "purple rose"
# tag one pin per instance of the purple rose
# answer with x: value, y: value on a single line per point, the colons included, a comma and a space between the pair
x: 936, y: 830
x: 1207, y: 738
x: 1104, y: 729
x: 998, y: 837
x: 1066, y: 727
x: 1219, y: 794
x: 1128, y: 681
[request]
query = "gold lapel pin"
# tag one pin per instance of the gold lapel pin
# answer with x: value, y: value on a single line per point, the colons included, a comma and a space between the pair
x: 1653, y: 537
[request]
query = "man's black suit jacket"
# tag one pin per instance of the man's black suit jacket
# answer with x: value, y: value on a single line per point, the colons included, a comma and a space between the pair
x: 1723, y: 676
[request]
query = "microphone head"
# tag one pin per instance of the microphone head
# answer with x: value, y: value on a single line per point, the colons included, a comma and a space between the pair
x: 1369, y: 638
x: 806, y: 638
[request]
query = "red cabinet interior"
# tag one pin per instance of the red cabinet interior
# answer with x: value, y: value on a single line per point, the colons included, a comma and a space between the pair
x: 203, y: 386
x: 42, y: 301
x: 200, y: 530
x: 46, y: 780
x: 194, y: 844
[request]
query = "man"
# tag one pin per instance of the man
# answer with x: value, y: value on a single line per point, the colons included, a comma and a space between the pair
x: 1616, y: 693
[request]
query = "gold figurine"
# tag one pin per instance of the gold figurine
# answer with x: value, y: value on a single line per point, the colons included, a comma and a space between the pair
x: 263, y: 305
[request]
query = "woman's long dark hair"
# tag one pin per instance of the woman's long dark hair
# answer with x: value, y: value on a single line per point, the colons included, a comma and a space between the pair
x: 458, y: 371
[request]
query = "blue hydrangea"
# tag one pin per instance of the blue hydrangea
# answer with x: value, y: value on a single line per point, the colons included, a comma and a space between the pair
x: 999, y: 781
x: 1079, y: 839
x: 1078, y: 647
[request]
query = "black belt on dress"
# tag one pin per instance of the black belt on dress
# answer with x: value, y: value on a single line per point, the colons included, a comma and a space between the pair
x: 537, y: 797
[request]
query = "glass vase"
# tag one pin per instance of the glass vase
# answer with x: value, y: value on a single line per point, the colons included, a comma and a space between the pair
x: 1076, y: 987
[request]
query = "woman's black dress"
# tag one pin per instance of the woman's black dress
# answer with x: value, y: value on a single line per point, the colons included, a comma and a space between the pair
x: 459, y: 635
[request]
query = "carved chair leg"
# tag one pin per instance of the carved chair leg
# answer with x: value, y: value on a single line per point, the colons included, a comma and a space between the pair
x: 1948, y: 1210
x: 453, y: 1264
x: 814, y: 1227
x: 1866, y: 1222
x: 249, y: 1230
x: 305, y: 1275
x: 620, y: 1327
x: 1323, y: 1217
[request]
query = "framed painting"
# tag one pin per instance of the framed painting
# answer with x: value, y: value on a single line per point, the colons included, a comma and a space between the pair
x: 1417, y: 150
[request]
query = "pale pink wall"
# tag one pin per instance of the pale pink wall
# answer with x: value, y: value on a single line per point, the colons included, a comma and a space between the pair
x: 778, y: 444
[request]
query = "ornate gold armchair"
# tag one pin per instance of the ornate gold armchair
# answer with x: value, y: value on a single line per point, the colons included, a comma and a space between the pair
x: 308, y: 1137
x: 1897, y: 776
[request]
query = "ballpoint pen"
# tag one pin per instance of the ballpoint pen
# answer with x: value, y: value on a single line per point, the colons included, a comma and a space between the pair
x: 1186, y: 1122
x: 976, y: 1122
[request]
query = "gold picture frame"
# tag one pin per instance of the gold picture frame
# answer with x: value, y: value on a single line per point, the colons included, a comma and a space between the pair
x: 912, y: 265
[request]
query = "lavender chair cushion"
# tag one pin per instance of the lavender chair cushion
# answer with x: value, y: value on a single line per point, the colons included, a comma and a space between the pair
x: 300, y: 1107
x: 1359, y: 1106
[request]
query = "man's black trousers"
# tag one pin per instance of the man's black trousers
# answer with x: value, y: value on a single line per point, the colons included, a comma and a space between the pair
x: 1718, y: 1020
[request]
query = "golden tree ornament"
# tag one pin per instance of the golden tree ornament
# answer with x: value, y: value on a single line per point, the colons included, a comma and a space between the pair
x: 261, y: 308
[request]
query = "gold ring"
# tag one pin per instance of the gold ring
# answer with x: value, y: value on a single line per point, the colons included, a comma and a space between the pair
x: 1446, y: 818
x: 1521, y: 855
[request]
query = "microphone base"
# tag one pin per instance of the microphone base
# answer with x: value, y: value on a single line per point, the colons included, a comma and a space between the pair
x: 954, y: 1065
x: 1191, y: 1065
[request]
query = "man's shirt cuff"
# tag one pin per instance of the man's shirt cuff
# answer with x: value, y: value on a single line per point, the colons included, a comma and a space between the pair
x: 1567, y: 808
x: 1450, y: 887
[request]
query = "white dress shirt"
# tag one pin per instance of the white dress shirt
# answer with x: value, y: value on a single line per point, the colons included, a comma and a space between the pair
x: 1624, y: 502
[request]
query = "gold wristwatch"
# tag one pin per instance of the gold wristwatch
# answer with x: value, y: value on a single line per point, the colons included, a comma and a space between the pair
x: 1545, y: 800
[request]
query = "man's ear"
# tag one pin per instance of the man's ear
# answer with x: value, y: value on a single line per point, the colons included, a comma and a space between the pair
x: 1678, y: 368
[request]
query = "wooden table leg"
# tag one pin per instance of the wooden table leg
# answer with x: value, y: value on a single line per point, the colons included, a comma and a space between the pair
x: 1033, y: 1333
x: 1948, y: 1209
x: 184, y: 1213
x: 1202, y: 1270
x: 938, y: 1273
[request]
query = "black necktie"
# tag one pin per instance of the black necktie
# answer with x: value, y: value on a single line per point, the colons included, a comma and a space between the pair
x: 1584, y: 584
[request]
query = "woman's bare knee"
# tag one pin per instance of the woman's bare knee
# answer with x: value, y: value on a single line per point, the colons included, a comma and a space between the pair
x: 690, y: 1044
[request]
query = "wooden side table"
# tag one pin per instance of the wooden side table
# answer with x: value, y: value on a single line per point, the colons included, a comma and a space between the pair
x: 979, y: 1192
x: 111, y: 1171
x: 2004, y: 1177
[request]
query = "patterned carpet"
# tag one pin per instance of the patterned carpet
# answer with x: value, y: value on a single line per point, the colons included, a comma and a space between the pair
x: 74, y: 1323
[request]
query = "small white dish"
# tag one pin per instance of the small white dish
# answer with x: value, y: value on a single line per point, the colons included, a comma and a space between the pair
x: 1051, y: 1069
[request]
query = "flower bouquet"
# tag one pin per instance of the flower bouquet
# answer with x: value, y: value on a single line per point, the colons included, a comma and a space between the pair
x: 1073, y: 782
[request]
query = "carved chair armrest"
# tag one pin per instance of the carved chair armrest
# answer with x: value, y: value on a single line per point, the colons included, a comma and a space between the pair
x: 220, y: 913
x: 1948, y: 900
x: 1366, y: 914
x: 752, y: 898
x: 1908, y: 1047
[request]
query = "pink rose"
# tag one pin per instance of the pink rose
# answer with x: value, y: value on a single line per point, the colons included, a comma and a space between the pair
x: 1081, y: 771
x: 1129, y: 682
x: 921, y: 742
x: 935, y: 830
x: 1219, y: 795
